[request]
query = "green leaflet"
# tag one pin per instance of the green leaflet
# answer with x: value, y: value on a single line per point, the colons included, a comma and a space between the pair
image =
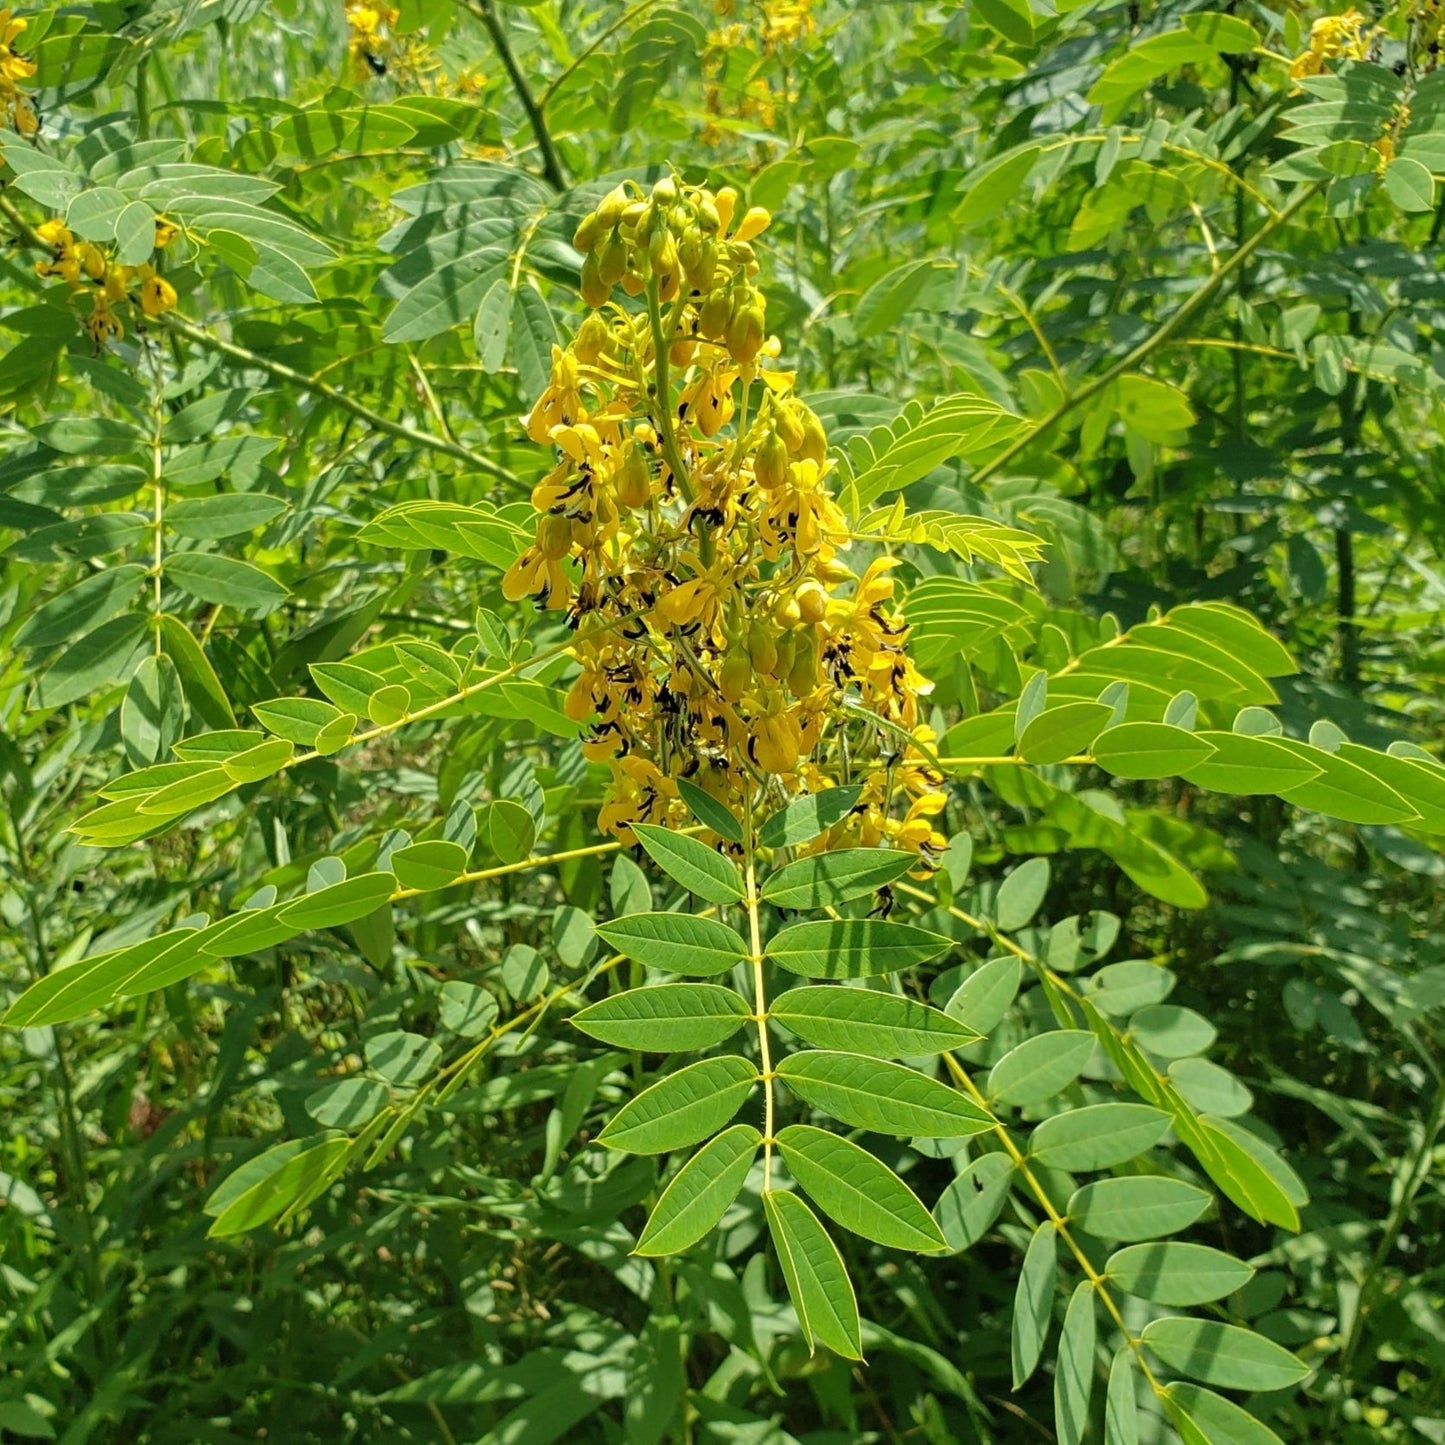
x: 1248, y: 765
x: 887, y: 1098
x: 1074, y: 1376
x: 709, y: 812
x: 831, y: 878
x: 68, y: 993
x: 433, y: 864
x: 853, y: 947
x: 700, y: 869
x: 1033, y: 1302
x: 1138, y: 1208
x: 865, y: 1021
x: 802, y: 820
x: 1221, y: 1354
x: 1097, y: 1136
x: 1204, y: 1418
x: 665, y: 1018
x: 1177, y: 1274
x: 967, y: 1209
x: 1172, y: 1032
x: 348, y: 1103
x: 1149, y: 750
x: 700, y: 1192
x: 1040, y: 1067
x: 676, y: 942
x: 467, y: 1009
x: 1021, y: 894
x: 340, y: 903
x: 682, y: 1108
x: 817, y: 1280
x: 284, y: 1177
x: 987, y: 994
x: 1121, y: 1406
x: 856, y: 1190
x: 402, y: 1058
x: 1060, y: 732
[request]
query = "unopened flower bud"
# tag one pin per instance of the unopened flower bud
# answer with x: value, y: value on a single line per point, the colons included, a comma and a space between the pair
x: 591, y: 340
x: 588, y: 232
x: 745, y: 333
x: 812, y: 602
x: 815, y: 439
x: 632, y: 479
x: 595, y: 288
x: 803, y: 674
x: 754, y: 222
x: 726, y: 204
x: 786, y: 612
x: 609, y: 212
x: 735, y: 675
x: 762, y: 646
x: 770, y: 465
x: 712, y: 319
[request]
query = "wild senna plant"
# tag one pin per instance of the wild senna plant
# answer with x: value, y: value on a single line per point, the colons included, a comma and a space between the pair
x: 758, y: 711
x: 751, y: 679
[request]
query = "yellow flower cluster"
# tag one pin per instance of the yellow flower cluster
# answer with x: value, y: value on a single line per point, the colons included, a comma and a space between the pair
x: 370, y: 42
x: 87, y: 268
x: 689, y: 508
x: 780, y: 25
x: 377, y: 49
x: 17, y: 110
x: 1334, y: 37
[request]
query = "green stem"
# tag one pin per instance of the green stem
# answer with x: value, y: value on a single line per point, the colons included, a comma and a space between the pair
x: 1201, y: 297
x: 626, y: 18
x: 210, y: 342
x: 485, y: 11
x: 760, y: 1008
x: 158, y: 422
x: 663, y: 379
x: 1414, y: 1170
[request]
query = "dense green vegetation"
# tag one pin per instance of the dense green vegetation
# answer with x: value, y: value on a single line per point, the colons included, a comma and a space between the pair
x: 1016, y: 966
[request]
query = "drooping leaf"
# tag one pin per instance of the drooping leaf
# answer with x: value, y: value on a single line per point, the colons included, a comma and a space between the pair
x: 858, y: 1191
x: 700, y: 1192
x: 1074, y: 1377
x: 1033, y: 1302
x: 967, y: 1209
x: 817, y: 1280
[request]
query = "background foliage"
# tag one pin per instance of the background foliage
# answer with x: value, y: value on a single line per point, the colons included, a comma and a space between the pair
x: 1138, y: 282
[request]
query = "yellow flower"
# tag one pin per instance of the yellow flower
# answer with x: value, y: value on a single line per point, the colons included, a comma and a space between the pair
x: 157, y: 295
x: 13, y: 68
x: 1348, y: 36
x: 101, y: 325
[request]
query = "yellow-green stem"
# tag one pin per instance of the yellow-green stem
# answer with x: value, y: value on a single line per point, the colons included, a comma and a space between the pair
x: 760, y: 1011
